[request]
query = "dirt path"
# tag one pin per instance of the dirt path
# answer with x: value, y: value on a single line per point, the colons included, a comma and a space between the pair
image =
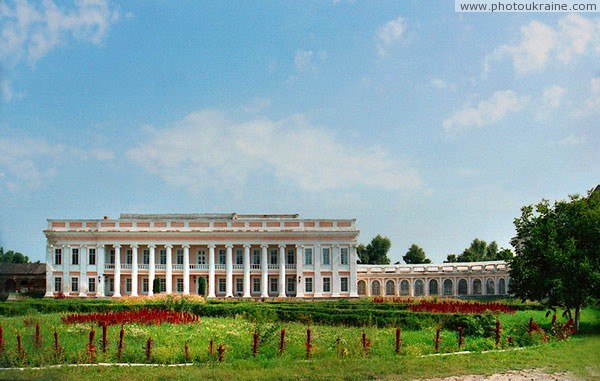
x: 516, y: 375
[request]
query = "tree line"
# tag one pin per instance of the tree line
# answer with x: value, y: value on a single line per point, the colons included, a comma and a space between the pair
x: 12, y: 256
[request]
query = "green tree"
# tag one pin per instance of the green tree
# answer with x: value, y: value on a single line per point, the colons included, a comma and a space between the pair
x: 375, y: 253
x: 202, y: 286
x: 480, y: 251
x: 12, y: 257
x: 415, y: 255
x: 451, y: 258
x: 557, y: 250
x: 156, y: 286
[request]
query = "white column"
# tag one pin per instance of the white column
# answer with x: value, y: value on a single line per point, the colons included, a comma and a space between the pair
x: 264, y: 287
x: 211, y: 271
x: 134, y: 269
x: 49, y: 268
x: 229, y: 268
x: 186, y: 269
x: 117, y: 292
x: 353, y: 275
x: 151, y: 269
x: 169, y: 275
x: 66, y: 285
x: 83, y: 285
x: 318, y: 280
x: 299, y: 273
x: 335, y: 271
x: 282, y: 271
x: 247, y: 293
x: 100, y: 259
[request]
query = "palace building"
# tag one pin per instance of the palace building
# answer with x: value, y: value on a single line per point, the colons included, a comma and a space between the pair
x: 239, y: 255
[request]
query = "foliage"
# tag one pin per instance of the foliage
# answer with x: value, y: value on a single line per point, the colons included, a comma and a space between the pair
x: 156, y: 286
x: 456, y: 306
x: 202, y: 286
x: 415, y: 255
x: 12, y: 256
x: 558, y: 252
x: 481, y: 251
x: 142, y: 316
x: 375, y: 253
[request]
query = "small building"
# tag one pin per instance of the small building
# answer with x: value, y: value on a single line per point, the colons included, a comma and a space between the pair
x: 22, y: 278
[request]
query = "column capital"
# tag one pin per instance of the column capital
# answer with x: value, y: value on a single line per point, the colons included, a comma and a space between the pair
x: 152, y: 246
x: 186, y: 245
x: 264, y: 245
x: 247, y: 246
x: 299, y: 246
x: 282, y: 245
x: 168, y: 246
x: 229, y: 245
x: 211, y: 245
x: 134, y: 246
x: 117, y: 246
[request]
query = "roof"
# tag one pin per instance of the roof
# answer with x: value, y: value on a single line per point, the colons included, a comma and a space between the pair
x: 22, y: 268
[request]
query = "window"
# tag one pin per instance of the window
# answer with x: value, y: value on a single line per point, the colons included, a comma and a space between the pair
x: 92, y: 284
x: 447, y: 287
x: 462, y: 287
x: 180, y: 256
x: 291, y: 284
x: 256, y: 257
x: 477, y: 287
x: 163, y: 257
x: 404, y: 288
x: 128, y: 285
x: 239, y: 257
x: 501, y: 286
x: 344, y: 284
x: 390, y: 288
x: 273, y: 284
x: 419, y: 288
x: 433, y: 287
x: 146, y: 257
x: 326, y: 256
x: 489, y: 287
x: 201, y: 258
x: 75, y: 284
x: 361, y: 287
x: 58, y: 283
x: 375, y: 288
x: 291, y: 256
x: 58, y: 256
x: 111, y: 284
x: 255, y: 284
x: 112, y: 256
x: 92, y: 256
x: 308, y: 256
x: 75, y: 256
x: 129, y: 257
x: 163, y: 285
x: 344, y: 255
x: 145, y: 285
x: 327, y: 284
x: 222, y: 256
x: 308, y: 284
x: 239, y: 285
x: 273, y: 257
x: 222, y: 285
x: 179, y: 285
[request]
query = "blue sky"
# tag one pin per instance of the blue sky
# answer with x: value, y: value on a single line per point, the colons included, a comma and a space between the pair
x: 427, y: 126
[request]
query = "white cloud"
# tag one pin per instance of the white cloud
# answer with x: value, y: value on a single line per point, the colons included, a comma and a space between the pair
x: 441, y: 84
x: 390, y: 33
x: 592, y: 103
x: 257, y: 105
x: 486, y: 112
x: 572, y: 140
x: 207, y: 149
x: 577, y: 34
x: 6, y: 91
x: 31, y: 30
x: 552, y: 98
x: 303, y: 60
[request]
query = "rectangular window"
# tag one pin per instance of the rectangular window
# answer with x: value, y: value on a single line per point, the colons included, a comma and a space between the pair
x: 222, y: 285
x: 327, y: 284
x: 273, y: 257
x: 344, y: 284
x: 58, y: 283
x: 344, y: 255
x: 326, y: 256
x: 308, y: 284
x: 92, y: 284
x: 256, y: 257
x: 129, y: 257
x: 291, y: 284
x: 222, y: 256
x: 239, y: 257
x: 146, y: 257
x: 75, y: 256
x: 92, y: 256
x: 112, y: 257
x: 163, y: 257
x: 201, y: 258
x: 128, y: 285
x: 111, y: 285
x: 179, y: 285
x: 291, y: 257
x: 163, y: 285
x: 58, y: 256
x: 75, y: 284
x: 180, y: 256
x: 145, y: 283
x: 273, y: 284
x: 239, y: 285
x: 255, y: 284
x: 308, y: 260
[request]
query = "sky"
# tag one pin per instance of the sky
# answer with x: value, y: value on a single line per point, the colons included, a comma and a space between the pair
x: 428, y: 126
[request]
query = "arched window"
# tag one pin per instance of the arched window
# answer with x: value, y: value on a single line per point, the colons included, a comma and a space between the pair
x: 462, y: 287
x: 390, y: 288
x: 448, y: 287
x: 489, y: 287
x: 375, y: 288
x: 362, y: 287
x: 419, y: 289
x: 433, y: 287
x: 476, y: 286
x: 501, y: 286
x: 404, y: 288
